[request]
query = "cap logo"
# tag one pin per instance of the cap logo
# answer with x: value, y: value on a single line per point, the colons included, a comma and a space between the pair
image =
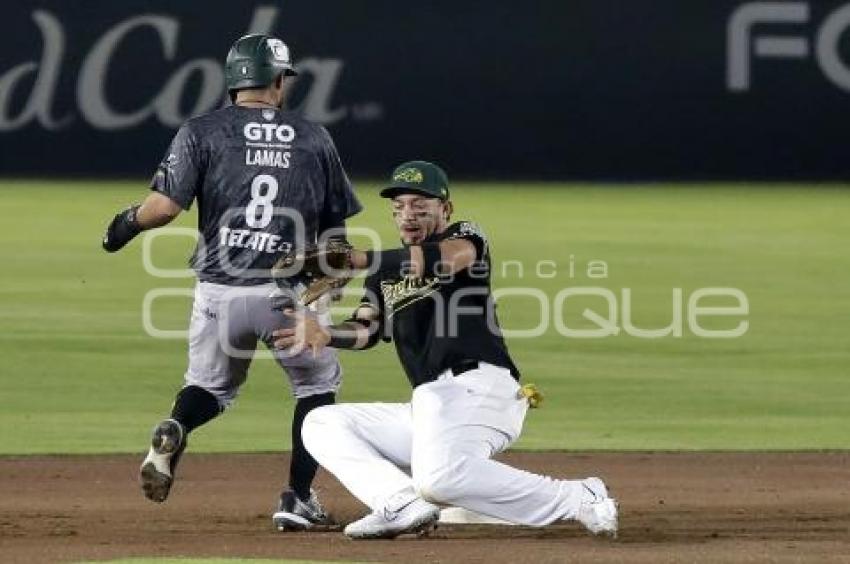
x: 278, y: 49
x: 410, y: 175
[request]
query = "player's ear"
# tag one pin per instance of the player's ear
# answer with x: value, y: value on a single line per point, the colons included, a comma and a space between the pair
x: 448, y: 209
x: 279, y: 90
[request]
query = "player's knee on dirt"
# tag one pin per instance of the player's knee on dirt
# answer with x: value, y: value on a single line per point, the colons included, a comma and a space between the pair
x: 442, y: 484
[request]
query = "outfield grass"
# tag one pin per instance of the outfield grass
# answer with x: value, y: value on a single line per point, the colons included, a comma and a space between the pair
x: 79, y: 374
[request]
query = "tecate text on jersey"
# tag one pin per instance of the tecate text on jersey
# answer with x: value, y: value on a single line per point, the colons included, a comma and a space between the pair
x: 248, y: 239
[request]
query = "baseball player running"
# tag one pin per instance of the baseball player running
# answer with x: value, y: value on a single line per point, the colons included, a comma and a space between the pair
x: 264, y: 180
x: 432, y: 298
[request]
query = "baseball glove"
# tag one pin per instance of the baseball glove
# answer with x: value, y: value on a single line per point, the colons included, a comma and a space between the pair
x: 321, y: 268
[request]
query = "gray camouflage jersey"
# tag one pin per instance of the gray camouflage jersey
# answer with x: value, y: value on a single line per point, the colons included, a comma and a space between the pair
x: 265, y: 180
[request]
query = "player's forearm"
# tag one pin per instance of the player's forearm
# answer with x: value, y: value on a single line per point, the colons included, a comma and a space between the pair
x: 150, y: 219
x: 352, y: 335
x: 157, y: 210
x: 452, y: 256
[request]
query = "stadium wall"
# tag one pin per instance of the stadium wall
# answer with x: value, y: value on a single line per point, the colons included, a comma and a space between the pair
x: 585, y: 89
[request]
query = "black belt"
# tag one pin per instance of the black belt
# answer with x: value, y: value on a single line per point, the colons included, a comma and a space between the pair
x: 464, y: 366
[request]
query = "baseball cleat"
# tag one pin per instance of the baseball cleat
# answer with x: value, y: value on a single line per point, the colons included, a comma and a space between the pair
x: 416, y: 517
x: 598, y: 512
x: 296, y: 514
x: 157, y: 470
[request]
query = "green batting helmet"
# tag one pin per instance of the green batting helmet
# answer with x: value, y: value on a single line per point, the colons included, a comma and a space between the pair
x: 255, y: 61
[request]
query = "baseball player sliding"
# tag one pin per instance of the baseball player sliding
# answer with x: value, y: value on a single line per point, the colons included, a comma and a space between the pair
x: 432, y: 298
x: 265, y: 180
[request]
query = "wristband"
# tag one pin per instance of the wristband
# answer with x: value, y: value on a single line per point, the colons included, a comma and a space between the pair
x: 373, y: 330
x: 345, y: 339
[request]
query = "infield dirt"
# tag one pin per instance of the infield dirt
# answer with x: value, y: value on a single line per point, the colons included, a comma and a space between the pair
x: 676, y: 507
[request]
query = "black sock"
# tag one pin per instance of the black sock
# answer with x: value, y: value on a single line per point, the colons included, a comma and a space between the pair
x: 193, y: 407
x: 302, y: 468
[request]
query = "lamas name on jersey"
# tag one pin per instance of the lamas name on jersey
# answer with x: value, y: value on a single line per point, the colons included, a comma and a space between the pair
x: 267, y: 157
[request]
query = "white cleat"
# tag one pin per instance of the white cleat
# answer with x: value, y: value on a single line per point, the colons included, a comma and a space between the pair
x: 416, y: 516
x: 598, y: 512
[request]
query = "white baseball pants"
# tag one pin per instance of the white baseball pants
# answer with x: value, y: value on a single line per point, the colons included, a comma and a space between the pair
x: 439, y: 447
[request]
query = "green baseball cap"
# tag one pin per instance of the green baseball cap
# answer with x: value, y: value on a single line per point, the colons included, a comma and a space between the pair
x: 418, y: 177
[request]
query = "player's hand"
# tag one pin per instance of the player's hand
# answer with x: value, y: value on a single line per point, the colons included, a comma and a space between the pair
x: 306, y: 333
x: 121, y: 230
